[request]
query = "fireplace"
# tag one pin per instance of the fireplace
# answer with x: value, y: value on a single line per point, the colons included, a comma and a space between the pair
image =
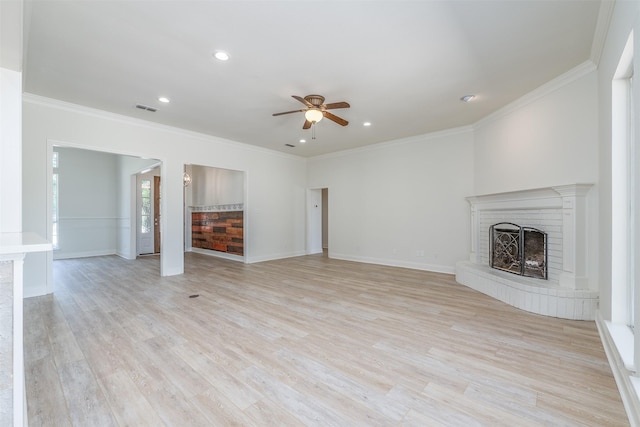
x: 518, y: 250
x: 524, y: 255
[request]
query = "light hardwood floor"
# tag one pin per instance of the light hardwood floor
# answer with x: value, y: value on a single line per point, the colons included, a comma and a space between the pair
x: 301, y: 341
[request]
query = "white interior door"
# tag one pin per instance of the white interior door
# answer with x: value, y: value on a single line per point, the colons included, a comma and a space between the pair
x: 314, y: 221
x: 145, y: 214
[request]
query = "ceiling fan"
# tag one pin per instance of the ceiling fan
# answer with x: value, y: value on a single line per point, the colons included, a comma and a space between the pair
x: 316, y: 110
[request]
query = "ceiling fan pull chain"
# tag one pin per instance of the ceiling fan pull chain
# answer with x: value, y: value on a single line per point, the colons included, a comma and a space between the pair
x: 313, y: 130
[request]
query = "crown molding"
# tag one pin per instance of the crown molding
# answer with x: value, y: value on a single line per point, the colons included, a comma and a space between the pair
x: 403, y: 141
x: 30, y: 98
x: 551, y: 86
x: 602, y: 28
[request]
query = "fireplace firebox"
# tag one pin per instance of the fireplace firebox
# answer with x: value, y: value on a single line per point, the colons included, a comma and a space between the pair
x: 518, y: 250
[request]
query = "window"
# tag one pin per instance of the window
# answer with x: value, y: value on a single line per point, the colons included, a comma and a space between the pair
x: 632, y: 177
x: 54, y: 201
x: 622, y: 180
x: 625, y: 173
x: 145, y: 212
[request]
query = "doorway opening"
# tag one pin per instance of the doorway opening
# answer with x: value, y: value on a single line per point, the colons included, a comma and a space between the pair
x: 148, y: 212
x: 214, y: 212
x: 91, y: 203
x: 318, y: 221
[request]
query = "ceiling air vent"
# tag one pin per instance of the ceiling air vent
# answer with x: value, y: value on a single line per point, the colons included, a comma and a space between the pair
x: 290, y: 145
x: 146, y: 107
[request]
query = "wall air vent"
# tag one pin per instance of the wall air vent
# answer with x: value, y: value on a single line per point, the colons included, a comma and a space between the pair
x: 146, y: 107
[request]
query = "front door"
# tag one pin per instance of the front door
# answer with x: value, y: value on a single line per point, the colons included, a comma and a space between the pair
x: 156, y: 214
x: 148, y: 222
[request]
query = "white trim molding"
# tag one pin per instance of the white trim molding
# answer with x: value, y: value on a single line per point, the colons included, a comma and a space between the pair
x: 628, y: 383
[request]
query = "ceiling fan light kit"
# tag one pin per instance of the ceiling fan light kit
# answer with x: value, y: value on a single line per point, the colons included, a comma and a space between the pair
x: 313, y: 115
x: 316, y: 110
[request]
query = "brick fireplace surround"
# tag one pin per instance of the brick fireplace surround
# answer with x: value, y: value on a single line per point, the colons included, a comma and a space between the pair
x: 561, y: 213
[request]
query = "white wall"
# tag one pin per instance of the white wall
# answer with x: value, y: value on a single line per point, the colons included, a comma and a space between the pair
x: 215, y: 186
x: 549, y: 137
x: 87, y: 203
x: 275, y: 181
x: 400, y: 203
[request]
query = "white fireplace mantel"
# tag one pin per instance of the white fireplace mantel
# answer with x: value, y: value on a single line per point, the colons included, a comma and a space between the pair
x: 561, y: 211
x: 570, y: 198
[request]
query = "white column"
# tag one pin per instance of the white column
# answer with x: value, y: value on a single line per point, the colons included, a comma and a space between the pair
x: 575, y: 270
x: 11, y: 115
x: 172, y: 219
x: 10, y: 150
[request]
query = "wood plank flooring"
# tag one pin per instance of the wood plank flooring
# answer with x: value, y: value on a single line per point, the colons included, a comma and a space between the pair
x: 304, y: 341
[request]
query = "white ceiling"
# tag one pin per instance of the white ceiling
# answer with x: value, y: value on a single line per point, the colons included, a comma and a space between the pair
x: 402, y: 65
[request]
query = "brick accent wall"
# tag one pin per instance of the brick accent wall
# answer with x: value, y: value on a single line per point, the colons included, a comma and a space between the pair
x: 218, y: 231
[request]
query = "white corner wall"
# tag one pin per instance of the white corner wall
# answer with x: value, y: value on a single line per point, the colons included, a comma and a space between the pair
x: 275, y: 184
x: 400, y: 203
x: 548, y: 138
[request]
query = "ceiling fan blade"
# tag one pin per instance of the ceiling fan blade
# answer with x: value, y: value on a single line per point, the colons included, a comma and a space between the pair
x: 337, y: 105
x: 307, y: 124
x: 288, y: 112
x: 304, y: 101
x: 335, y: 118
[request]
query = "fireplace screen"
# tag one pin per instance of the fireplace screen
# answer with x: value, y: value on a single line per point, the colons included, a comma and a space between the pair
x: 518, y: 250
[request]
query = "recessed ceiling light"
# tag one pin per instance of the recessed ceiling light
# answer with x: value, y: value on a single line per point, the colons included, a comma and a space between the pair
x: 164, y: 99
x: 467, y: 98
x: 221, y: 55
x: 302, y: 141
x: 366, y: 124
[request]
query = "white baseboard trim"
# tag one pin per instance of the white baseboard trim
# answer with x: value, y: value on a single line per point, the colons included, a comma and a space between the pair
x: 124, y: 256
x: 275, y: 257
x: 624, y: 379
x: 395, y: 263
x: 87, y: 254
x: 217, y: 254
